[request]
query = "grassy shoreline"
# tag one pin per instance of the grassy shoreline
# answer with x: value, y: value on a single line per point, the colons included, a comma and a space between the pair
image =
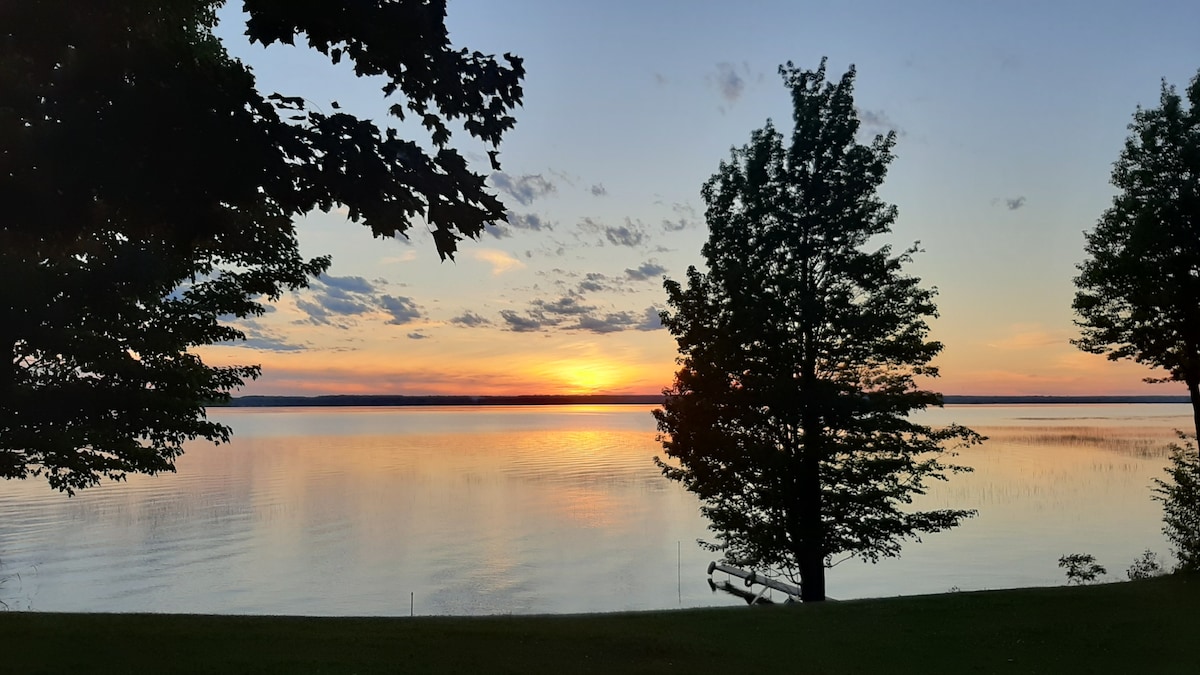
x: 1143, y: 626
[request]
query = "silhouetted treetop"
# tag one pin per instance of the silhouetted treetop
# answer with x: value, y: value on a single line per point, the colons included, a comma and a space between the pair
x: 800, y: 352
x: 151, y: 190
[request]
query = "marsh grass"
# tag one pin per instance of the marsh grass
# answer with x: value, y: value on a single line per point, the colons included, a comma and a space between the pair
x: 1139, y: 626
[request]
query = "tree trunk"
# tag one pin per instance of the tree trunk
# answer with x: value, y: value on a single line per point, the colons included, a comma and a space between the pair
x: 812, y: 535
x: 812, y: 557
x: 1193, y: 385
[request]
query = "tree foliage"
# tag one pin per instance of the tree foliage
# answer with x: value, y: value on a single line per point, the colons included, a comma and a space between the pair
x: 800, y: 351
x: 150, y: 192
x: 1180, y: 497
x: 1138, y: 291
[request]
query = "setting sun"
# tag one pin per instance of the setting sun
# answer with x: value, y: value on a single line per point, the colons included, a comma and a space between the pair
x: 588, y: 378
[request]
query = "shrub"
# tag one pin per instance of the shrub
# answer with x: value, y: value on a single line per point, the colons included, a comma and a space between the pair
x: 1145, y: 567
x: 1081, y: 568
x: 1180, y: 497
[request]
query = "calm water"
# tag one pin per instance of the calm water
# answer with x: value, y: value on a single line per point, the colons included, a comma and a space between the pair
x: 535, y: 510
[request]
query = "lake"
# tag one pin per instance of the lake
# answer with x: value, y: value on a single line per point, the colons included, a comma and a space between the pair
x: 495, y: 510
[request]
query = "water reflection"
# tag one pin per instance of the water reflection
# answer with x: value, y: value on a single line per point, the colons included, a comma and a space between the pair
x: 496, y: 510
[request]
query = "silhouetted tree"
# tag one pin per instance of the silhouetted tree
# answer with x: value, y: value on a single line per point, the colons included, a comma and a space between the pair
x: 1138, y: 291
x: 790, y: 414
x: 150, y: 189
x: 1180, y: 497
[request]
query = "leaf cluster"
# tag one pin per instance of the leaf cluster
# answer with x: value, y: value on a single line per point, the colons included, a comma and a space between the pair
x: 1139, y: 288
x: 151, y: 192
x: 1180, y: 498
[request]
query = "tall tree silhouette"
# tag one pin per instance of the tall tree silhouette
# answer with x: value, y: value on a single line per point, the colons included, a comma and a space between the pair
x: 799, y: 352
x: 1138, y: 291
x: 150, y: 190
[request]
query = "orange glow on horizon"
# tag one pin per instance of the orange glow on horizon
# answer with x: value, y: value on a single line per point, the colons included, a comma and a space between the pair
x: 581, y: 369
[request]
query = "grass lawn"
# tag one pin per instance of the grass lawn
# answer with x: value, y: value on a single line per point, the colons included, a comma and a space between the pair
x: 1137, y: 627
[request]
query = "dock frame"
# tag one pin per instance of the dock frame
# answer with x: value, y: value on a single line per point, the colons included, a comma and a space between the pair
x: 752, y: 578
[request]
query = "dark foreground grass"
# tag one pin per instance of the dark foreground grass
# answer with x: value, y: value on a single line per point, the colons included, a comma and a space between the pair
x: 1138, y: 627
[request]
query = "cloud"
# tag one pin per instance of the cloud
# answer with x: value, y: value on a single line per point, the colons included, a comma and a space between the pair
x: 594, y: 282
x: 1023, y: 337
x: 877, y: 122
x: 564, y: 306
x: 470, y: 320
x: 500, y: 261
x: 330, y: 297
x: 496, y: 230
x: 729, y: 82
x: 599, y: 190
x: 527, y: 221
x: 568, y: 313
x: 626, y: 235
x: 1010, y: 203
x: 270, y: 344
x: 262, y: 338
x: 651, y: 319
x: 407, y: 256
x: 685, y: 218
x: 347, y: 284
x: 417, y: 336
x: 401, y: 309
x: 620, y: 321
x: 518, y: 323
x: 525, y: 188
x: 660, y: 79
x: 647, y: 270
x: 630, y: 234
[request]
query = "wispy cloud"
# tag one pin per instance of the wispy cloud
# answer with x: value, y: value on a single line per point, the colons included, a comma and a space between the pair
x: 874, y: 122
x: 500, y: 261
x: 521, y: 324
x: 401, y: 309
x: 647, y: 270
x: 598, y: 190
x: 407, y: 256
x: 470, y: 320
x: 570, y: 314
x: 1010, y: 203
x: 685, y: 219
x: 528, y: 221
x: 329, y: 299
x: 631, y: 234
x: 614, y: 322
x: 262, y: 338
x: 594, y: 282
x: 524, y: 188
x: 729, y: 82
x: 348, y: 284
x: 340, y: 301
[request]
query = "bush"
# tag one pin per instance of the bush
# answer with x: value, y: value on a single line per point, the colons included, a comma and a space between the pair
x: 1180, y: 497
x: 1145, y: 567
x: 1081, y: 568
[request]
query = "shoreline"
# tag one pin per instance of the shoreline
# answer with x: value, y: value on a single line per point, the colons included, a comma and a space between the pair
x: 387, y: 400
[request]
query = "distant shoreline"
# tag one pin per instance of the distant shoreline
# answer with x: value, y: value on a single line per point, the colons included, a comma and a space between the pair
x: 618, y: 399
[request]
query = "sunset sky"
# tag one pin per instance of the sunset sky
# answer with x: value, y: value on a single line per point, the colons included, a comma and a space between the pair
x: 1009, y: 117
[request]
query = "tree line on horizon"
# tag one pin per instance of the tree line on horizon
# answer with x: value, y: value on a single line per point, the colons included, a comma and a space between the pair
x: 802, y: 348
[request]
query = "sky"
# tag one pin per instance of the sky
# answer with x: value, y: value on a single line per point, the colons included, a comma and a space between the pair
x: 1008, y: 115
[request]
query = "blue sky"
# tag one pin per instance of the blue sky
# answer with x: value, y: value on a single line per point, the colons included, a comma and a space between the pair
x: 1009, y: 116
